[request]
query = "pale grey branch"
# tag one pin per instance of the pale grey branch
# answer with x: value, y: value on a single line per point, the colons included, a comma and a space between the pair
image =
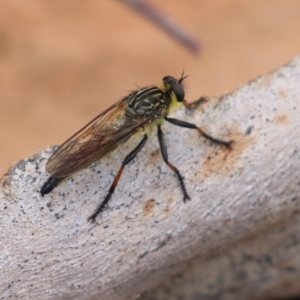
x: 238, y: 237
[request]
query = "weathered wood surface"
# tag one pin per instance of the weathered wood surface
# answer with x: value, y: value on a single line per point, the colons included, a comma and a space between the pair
x: 238, y: 238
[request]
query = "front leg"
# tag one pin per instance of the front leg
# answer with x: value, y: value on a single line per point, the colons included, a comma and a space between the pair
x: 164, y: 153
x: 193, y: 126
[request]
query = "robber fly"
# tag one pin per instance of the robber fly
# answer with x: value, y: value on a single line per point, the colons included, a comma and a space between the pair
x: 141, y: 110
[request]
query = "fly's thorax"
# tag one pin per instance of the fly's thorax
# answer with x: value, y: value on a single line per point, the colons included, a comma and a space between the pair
x: 150, y: 101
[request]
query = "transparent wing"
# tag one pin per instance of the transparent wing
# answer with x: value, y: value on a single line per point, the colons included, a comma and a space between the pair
x: 98, y: 137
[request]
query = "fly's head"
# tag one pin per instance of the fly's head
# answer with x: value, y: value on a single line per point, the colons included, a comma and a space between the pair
x: 174, y: 87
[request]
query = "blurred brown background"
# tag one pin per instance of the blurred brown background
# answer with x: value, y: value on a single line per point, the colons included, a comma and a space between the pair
x: 63, y: 62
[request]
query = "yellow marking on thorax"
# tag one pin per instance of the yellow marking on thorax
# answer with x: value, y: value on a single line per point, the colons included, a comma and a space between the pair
x: 174, y: 103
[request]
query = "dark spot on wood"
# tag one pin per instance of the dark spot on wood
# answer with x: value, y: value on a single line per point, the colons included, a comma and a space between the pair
x: 248, y: 130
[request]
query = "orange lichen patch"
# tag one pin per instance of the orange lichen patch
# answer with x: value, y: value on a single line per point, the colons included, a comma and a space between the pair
x: 221, y: 160
x: 281, y: 119
x: 154, y: 157
x: 167, y: 209
x: 148, y: 208
x: 282, y: 94
x: 170, y: 200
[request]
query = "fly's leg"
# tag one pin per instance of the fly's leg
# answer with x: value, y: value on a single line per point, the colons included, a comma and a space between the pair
x: 200, y: 131
x: 164, y: 154
x: 111, y: 190
x: 49, y: 185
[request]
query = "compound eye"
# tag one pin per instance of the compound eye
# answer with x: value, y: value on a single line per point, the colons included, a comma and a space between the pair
x: 169, y: 79
x: 178, y: 91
